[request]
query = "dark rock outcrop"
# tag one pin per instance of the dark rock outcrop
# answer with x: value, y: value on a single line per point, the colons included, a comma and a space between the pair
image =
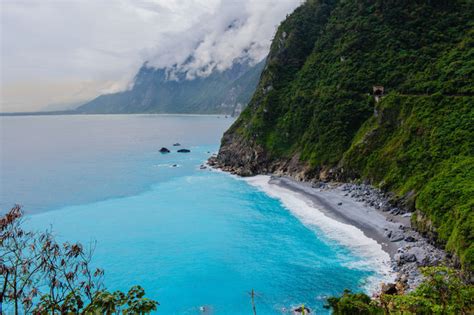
x: 302, y: 309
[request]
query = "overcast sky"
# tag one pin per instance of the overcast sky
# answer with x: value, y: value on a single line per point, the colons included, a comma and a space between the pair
x: 60, y: 52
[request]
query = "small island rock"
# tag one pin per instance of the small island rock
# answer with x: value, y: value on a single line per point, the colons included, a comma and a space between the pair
x: 164, y: 150
x: 184, y: 151
x: 302, y: 309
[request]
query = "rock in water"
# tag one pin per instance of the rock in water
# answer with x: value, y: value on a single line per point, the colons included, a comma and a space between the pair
x: 302, y: 310
x: 184, y: 151
x: 176, y: 144
x: 164, y: 150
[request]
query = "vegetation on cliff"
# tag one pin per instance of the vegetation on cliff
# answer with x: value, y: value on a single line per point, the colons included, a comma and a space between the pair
x: 314, y: 103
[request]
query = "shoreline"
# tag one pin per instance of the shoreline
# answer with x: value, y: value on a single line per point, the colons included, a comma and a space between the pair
x: 368, y: 210
x: 369, y: 254
x: 333, y: 203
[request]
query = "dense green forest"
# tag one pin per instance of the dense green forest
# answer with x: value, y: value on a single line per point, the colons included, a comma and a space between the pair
x: 315, y: 104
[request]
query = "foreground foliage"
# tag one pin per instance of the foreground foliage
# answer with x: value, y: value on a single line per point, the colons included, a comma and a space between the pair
x: 39, y: 275
x: 442, y: 292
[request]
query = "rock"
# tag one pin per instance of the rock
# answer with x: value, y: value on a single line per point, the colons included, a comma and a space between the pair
x: 203, y: 167
x: 302, y: 309
x: 318, y: 185
x: 184, y: 151
x: 410, y: 239
x: 176, y: 144
x: 389, y: 288
x: 405, y: 258
x: 394, y: 236
x: 339, y: 203
x: 164, y: 150
x: 174, y: 165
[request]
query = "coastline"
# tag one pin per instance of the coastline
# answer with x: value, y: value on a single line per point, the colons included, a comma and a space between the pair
x: 369, y: 253
x: 367, y: 209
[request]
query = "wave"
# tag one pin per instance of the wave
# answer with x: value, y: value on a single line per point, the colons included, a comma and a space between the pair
x: 372, y: 256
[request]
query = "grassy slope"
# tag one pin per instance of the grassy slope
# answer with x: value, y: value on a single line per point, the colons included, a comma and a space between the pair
x: 314, y: 100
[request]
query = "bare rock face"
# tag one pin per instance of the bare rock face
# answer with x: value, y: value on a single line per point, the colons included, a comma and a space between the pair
x: 240, y: 156
x: 244, y: 157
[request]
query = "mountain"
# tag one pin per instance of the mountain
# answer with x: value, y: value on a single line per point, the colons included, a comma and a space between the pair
x: 379, y: 91
x: 153, y: 91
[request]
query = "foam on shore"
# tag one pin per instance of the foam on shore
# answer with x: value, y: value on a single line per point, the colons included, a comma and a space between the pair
x: 373, y: 257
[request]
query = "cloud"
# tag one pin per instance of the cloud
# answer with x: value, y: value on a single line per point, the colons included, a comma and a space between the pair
x: 105, y: 42
x: 229, y: 31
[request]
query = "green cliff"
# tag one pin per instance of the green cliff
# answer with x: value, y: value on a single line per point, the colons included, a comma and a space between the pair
x: 314, y: 115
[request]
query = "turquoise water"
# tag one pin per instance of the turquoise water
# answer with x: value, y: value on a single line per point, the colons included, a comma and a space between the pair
x: 190, y: 237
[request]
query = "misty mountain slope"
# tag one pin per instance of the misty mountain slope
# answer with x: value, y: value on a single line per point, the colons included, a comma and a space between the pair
x: 153, y: 92
x: 313, y: 114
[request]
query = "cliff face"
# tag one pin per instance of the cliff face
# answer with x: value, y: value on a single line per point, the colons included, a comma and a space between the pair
x: 314, y: 115
x: 153, y: 91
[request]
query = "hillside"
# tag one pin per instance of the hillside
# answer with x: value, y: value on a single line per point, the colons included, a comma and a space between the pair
x: 153, y: 91
x: 314, y: 116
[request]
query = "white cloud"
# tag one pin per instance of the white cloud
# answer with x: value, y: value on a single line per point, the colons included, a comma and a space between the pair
x: 104, y: 42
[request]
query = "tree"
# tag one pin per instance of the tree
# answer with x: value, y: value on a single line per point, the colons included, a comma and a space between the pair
x: 442, y: 292
x: 43, y: 276
x: 20, y: 262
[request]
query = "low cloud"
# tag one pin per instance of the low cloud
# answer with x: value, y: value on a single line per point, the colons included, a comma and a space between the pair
x: 105, y: 42
x: 232, y: 30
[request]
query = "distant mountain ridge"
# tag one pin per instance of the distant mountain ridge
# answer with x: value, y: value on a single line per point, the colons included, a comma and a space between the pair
x: 153, y: 91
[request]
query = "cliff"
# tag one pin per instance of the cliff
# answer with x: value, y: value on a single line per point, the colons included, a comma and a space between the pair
x: 314, y: 114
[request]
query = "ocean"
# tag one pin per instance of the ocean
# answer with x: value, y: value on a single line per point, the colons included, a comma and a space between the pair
x: 190, y: 237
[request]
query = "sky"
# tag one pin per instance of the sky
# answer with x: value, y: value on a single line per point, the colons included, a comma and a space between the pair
x: 58, y: 54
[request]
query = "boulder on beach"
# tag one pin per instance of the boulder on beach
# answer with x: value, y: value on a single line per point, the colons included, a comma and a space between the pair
x: 164, y: 150
x: 404, y: 258
x: 184, y: 151
x: 395, y: 236
x: 389, y: 288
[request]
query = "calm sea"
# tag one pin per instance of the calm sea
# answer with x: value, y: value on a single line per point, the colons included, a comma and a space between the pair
x: 190, y: 237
